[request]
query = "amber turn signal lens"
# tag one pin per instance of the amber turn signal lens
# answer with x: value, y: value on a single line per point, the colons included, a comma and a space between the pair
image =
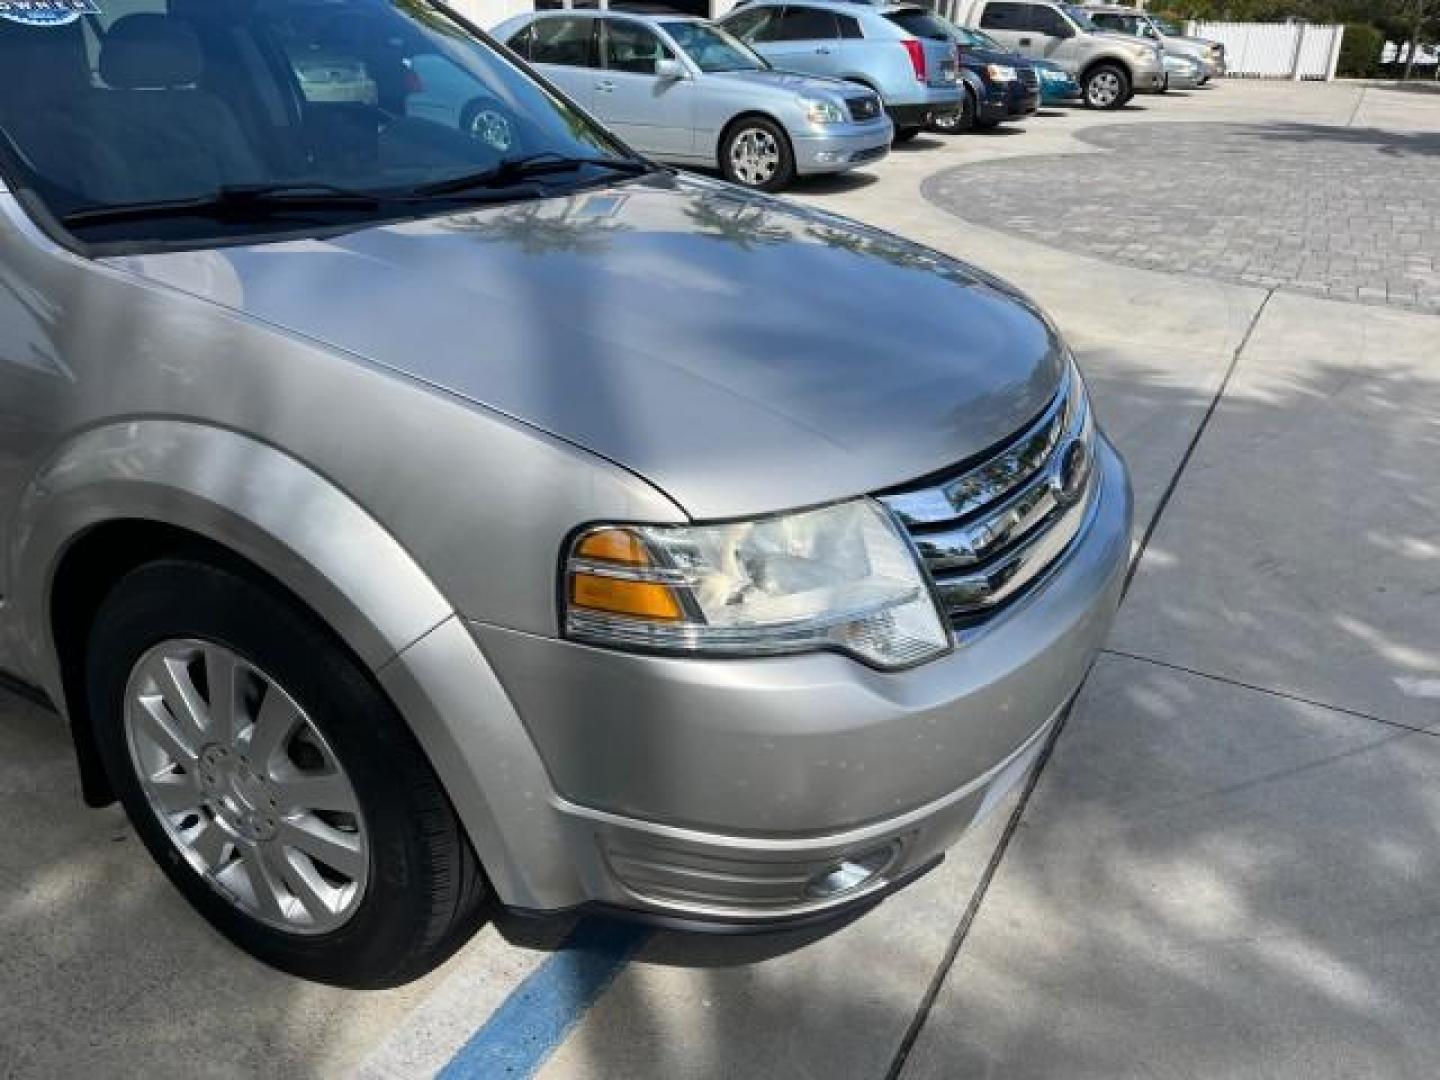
x: 641, y: 599
x: 614, y: 545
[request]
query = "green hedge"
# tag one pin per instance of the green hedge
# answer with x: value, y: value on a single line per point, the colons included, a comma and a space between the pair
x: 1360, y: 50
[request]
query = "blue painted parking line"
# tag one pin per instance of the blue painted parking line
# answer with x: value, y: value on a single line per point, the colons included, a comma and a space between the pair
x: 535, y: 1019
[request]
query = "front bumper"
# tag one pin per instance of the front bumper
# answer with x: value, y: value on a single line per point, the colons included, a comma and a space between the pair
x: 724, y: 791
x: 1009, y: 103
x: 845, y: 147
x: 1149, y: 80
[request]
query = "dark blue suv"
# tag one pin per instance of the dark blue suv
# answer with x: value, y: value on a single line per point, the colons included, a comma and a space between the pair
x: 999, y: 85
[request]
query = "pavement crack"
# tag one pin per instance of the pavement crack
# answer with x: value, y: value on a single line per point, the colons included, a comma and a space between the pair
x: 1298, y: 699
x: 1359, y: 102
x: 1194, y: 443
x: 997, y: 856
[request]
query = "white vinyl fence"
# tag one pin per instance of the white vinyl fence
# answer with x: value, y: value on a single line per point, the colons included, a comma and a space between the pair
x: 1275, y: 50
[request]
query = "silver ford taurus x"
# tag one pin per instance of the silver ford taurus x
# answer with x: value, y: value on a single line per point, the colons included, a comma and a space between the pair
x: 418, y: 502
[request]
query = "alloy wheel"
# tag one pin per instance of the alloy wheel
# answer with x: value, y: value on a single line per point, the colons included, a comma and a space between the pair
x: 754, y: 156
x: 1103, y: 89
x: 246, y: 787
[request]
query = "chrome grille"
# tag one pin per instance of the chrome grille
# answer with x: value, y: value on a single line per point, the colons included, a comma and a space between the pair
x: 989, y: 530
x: 1028, y: 77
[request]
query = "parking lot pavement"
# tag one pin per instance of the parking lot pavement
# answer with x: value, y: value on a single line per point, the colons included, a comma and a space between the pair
x: 1225, y: 869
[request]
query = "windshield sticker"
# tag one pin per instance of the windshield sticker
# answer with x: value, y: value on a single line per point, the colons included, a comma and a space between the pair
x: 46, y: 12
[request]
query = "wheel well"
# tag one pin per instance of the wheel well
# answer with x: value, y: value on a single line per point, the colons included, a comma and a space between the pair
x: 1108, y: 61
x: 753, y: 114
x: 89, y: 569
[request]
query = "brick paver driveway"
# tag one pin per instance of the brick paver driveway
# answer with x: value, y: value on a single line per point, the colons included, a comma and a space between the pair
x: 1353, y: 214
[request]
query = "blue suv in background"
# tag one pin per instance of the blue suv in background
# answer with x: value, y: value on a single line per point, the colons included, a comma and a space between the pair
x: 916, y: 77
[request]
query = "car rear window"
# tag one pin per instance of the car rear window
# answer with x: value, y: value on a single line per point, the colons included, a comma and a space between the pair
x: 921, y: 23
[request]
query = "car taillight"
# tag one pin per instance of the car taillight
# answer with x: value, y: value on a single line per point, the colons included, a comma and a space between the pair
x: 916, y: 49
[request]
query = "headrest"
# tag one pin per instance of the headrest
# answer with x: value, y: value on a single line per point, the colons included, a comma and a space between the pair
x: 150, y: 52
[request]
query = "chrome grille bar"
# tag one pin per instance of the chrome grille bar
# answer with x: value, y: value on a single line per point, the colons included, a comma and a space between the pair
x: 988, y: 533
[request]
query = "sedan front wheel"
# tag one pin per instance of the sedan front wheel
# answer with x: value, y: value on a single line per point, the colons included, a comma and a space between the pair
x: 755, y: 153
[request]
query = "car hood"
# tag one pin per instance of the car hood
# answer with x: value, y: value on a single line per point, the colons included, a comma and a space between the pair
x: 791, y: 81
x: 993, y: 56
x: 741, y: 354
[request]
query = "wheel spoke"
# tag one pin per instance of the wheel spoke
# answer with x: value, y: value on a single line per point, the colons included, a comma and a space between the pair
x: 155, y: 722
x: 315, y: 895
x: 173, y: 793
x: 265, y: 885
x: 222, y: 677
x: 210, y: 842
x: 181, y: 698
x: 310, y: 791
x: 277, y: 720
x: 341, y: 852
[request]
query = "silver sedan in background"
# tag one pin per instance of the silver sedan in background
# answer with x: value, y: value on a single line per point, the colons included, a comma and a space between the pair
x: 684, y: 90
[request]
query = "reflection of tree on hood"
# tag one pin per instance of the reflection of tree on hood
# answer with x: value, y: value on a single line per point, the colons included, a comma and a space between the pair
x: 745, y: 224
x: 581, y: 224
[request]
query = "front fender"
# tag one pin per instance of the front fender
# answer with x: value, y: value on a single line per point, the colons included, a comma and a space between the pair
x: 314, y: 539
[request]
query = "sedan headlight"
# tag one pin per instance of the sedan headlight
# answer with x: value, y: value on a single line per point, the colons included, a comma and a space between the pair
x: 1000, y: 72
x: 823, y: 112
x: 843, y: 577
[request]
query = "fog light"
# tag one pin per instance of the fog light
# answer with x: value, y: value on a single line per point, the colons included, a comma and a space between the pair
x: 831, y: 157
x: 851, y: 873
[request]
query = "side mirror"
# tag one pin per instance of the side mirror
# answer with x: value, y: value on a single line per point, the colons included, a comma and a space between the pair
x: 671, y: 69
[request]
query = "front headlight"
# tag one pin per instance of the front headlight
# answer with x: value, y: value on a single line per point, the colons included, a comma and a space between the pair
x: 1000, y: 72
x: 843, y: 577
x: 823, y: 112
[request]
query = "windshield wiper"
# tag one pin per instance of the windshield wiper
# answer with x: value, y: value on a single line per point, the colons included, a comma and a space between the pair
x: 519, y: 170
x: 234, y: 200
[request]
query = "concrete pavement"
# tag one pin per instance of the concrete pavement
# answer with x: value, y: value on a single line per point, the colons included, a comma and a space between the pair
x: 1224, y: 869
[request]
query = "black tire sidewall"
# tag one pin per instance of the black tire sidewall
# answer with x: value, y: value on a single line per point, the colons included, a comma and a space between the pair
x: 176, y: 599
x: 784, y: 174
x: 1120, y: 98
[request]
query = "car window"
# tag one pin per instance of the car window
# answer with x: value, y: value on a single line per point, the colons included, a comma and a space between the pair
x: 315, y: 114
x: 629, y: 46
x: 807, y: 24
x: 1047, y: 21
x: 712, y: 49
x: 567, y: 42
x: 1079, y: 16
x: 849, y: 27
x: 921, y: 23
x: 746, y: 24
x: 1004, y: 16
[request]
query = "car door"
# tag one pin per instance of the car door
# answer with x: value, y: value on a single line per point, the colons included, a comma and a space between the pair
x: 807, y: 39
x: 653, y: 113
x: 1006, y: 22
x: 1047, y: 35
x: 564, y: 48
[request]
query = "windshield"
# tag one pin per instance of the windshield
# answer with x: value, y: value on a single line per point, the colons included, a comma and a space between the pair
x: 713, y: 49
x: 977, y: 39
x: 283, y: 114
x: 1079, y: 17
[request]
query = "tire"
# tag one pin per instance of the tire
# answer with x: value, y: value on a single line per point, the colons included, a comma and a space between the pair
x: 1106, y: 86
x: 904, y: 135
x: 755, y: 153
x: 397, y: 887
x: 958, y: 122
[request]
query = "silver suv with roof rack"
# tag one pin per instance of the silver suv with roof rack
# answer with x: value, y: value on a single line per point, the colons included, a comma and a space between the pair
x: 1210, y: 55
